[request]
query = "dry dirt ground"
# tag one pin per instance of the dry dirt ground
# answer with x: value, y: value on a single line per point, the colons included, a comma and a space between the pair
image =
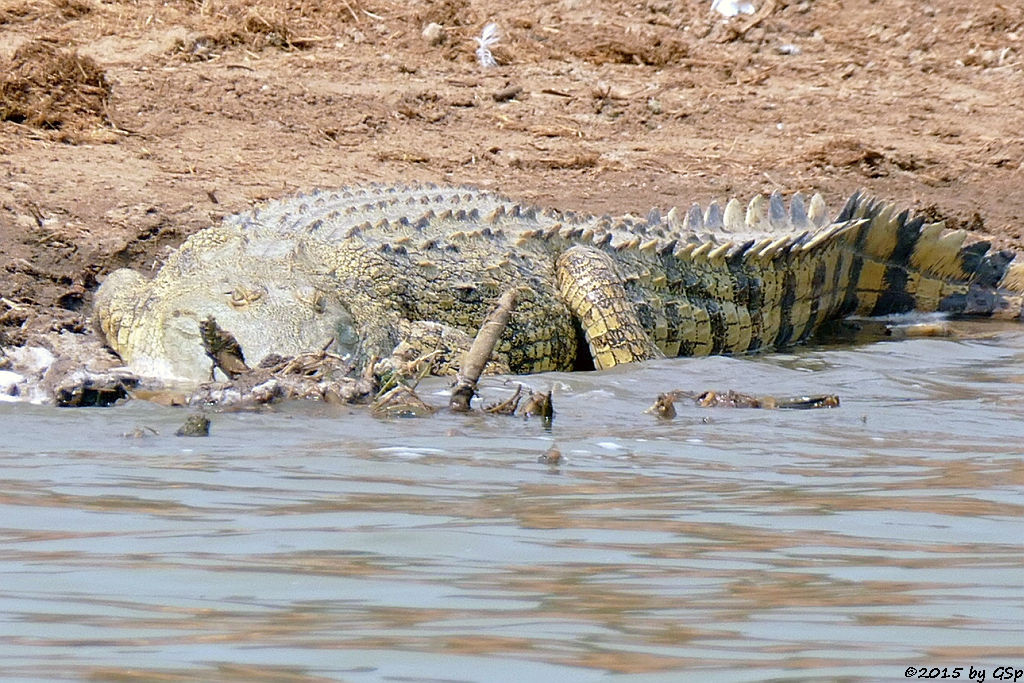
x: 126, y: 125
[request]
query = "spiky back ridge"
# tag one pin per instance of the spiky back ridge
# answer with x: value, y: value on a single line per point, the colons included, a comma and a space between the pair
x: 905, y: 264
x: 386, y: 213
x: 706, y: 280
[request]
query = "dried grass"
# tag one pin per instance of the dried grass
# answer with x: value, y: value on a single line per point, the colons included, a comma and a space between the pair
x: 25, y: 11
x: 616, y: 45
x: 286, y: 24
x: 45, y: 86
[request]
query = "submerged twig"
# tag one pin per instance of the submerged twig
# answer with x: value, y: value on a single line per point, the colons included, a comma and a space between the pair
x: 400, y: 401
x: 664, y: 406
x: 508, y: 406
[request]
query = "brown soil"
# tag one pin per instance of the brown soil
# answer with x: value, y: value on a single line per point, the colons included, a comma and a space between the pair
x: 127, y: 125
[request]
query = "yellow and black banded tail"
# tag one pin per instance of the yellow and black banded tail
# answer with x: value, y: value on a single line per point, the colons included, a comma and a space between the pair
x: 901, y: 263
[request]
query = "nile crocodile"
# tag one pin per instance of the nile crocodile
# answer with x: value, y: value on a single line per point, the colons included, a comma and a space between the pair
x: 362, y: 270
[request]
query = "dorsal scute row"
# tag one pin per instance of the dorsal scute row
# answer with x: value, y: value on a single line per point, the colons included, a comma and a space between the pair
x: 762, y: 229
x: 760, y: 215
x: 374, y: 202
x: 929, y: 250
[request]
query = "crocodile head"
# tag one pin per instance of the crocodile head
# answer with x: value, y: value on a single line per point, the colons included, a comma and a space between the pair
x: 154, y: 325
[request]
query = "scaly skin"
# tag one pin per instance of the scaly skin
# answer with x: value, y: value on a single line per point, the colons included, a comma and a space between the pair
x: 365, y: 269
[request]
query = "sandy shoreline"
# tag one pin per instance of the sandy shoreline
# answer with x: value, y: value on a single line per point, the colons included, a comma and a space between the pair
x: 170, y: 116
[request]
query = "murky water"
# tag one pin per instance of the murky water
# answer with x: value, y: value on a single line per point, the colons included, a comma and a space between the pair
x: 312, y: 543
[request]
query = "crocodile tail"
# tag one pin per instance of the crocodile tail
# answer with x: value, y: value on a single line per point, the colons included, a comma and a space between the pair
x: 901, y: 263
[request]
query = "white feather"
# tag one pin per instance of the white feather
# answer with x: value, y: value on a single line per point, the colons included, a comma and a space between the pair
x: 730, y: 8
x: 488, y: 37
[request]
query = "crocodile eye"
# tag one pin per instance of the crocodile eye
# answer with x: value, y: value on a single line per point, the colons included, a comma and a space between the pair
x: 243, y: 296
x: 313, y: 298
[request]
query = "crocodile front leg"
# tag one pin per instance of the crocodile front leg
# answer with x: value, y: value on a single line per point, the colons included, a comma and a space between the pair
x: 443, y: 346
x: 594, y: 292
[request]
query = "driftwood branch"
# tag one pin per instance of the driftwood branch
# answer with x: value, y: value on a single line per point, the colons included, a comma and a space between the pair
x: 480, y: 352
